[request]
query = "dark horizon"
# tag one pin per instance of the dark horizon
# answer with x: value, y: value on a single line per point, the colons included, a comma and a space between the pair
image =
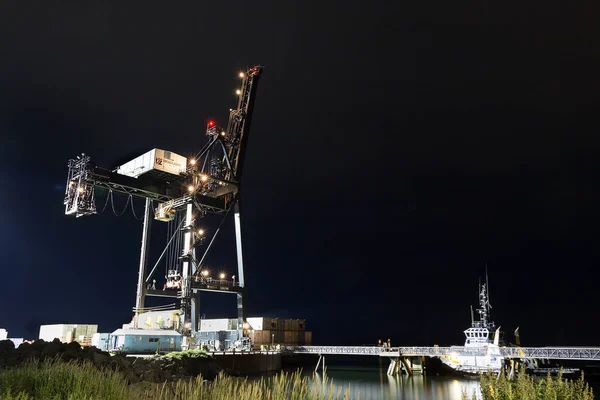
x: 393, y: 153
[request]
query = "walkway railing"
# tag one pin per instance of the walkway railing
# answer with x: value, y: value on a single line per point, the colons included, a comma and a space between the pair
x: 555, y: 353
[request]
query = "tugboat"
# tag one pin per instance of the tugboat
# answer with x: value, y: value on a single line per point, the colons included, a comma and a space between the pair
x: 489, y: 358
x: 478, y: 337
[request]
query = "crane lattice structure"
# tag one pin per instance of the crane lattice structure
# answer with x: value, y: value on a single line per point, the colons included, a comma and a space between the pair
x: 206, y: 184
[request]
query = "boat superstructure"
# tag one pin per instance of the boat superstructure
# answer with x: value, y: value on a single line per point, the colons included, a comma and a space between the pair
x: 486, y: 348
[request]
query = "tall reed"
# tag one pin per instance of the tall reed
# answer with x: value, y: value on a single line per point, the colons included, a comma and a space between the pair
x: 57, y: 380
x: 526, y: 387
x: 54, y: 380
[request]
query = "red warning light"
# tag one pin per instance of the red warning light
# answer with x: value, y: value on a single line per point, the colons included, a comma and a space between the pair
x: 211, y: 123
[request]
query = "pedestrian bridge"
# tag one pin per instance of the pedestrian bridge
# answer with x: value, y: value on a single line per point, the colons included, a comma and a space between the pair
x: 554, y: 353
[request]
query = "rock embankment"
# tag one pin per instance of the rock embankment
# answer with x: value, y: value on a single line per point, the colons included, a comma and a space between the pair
x: 135, y: 369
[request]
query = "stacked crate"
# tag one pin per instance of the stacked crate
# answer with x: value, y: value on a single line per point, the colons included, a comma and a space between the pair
x: 278, y: 331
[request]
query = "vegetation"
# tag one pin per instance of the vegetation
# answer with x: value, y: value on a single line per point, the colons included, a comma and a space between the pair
x: 525, y: 387
x: 187, y: 354
x: 57, y: 380
x: 282, y: 386
x: 54, y: 380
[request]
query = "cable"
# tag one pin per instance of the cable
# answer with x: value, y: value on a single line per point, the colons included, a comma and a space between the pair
x: 109, y: 195
x: 133, y: 210
x: 170, y: 249
x: 177, y: 243
x: 113, y: 206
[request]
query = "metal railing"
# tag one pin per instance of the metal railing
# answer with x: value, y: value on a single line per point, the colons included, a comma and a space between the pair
x: 555, y: 353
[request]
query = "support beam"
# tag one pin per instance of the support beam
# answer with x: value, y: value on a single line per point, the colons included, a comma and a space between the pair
x: 318, y: 362
x: 195, y: 305
x: 407, y: 367
x: 240, y: 261
x: 185, y: 270
x: 393, y: 367
x: 141, y: 286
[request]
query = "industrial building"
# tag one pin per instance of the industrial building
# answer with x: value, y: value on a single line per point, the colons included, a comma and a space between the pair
x: 67, y: 333
x: 144, y: 340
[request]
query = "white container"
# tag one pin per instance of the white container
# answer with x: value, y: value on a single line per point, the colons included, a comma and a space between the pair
x: 256, y: 323
x: 214, y: 325
x: 66, y: 332
x: 101, y: 340
x: 57, y: 331
x: 3, y: 334
x: 154, y: 160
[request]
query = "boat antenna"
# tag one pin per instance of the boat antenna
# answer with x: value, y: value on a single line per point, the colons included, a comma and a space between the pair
x: 487, y: 284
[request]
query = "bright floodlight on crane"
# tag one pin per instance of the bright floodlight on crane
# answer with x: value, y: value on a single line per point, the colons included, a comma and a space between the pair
x: 200, y: 232
x: 205, y: 272
x: 222, y: 275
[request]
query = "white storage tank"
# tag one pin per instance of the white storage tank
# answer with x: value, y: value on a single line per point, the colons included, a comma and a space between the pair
x: 168, y: 319
x: 156, y: 163
x: 3, y: 334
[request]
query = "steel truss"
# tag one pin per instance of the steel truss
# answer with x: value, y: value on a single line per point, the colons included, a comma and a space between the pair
x: 552, y: 353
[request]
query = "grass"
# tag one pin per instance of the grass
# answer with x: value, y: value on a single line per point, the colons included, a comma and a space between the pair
x: 54, y: 380
x: 286, y: 386
x: 525, y: 387
x: 57, y: 380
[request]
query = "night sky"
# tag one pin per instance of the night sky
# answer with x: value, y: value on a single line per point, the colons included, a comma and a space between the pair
x: 394, y: 151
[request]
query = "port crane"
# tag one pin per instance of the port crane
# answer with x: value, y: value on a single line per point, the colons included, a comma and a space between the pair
x: 209, y: 183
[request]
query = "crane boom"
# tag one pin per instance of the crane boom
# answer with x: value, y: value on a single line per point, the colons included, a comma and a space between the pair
x: 214, y: 174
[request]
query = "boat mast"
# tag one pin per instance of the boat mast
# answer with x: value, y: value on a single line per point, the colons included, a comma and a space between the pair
x: 472, y: 317
x: 484, y: 304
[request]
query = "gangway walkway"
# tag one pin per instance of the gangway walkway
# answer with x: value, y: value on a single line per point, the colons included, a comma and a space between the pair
x: 553, y: 353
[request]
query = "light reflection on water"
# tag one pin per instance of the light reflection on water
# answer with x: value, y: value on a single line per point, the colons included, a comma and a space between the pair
x: 371, y: 383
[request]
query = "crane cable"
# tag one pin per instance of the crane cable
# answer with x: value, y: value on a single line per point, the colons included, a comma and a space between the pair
x: 113, y: 206
x: 133, y: 209
x: 108, y: 196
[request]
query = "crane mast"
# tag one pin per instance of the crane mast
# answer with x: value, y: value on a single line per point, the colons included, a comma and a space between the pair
x: 207, y: 183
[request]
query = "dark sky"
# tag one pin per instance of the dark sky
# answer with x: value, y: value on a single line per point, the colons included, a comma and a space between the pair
x: 394, y: 151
